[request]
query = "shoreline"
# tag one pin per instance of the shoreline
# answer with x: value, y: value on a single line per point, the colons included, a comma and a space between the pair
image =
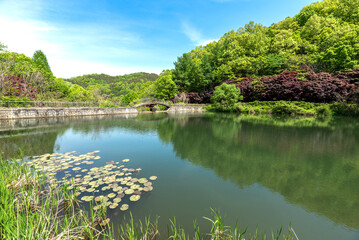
x: 50, y: 112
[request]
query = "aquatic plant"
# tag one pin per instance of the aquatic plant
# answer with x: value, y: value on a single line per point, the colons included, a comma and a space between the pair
x: 113, y: 180
x: 33, y: 208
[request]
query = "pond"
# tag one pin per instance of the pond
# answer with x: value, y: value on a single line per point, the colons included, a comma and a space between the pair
x: 262, y: 171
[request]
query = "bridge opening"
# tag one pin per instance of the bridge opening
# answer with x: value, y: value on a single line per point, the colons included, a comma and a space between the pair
x: 153, y: 104
x: 155, y: 107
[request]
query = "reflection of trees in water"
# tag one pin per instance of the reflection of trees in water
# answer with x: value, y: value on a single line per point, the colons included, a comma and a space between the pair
x: 315, y: 166
x: 311, y: 163
x: 29, y: 144
x: 38, y: 136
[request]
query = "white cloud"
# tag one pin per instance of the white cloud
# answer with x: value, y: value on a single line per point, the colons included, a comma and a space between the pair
x: 27, y: 37
x: 207, y: 42
x: 194, y: 35
x: 71, y: 50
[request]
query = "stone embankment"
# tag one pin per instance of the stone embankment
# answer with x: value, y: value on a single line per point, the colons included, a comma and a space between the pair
x: 186, y: 108
x: 34, y: 112
x: 50, y: 112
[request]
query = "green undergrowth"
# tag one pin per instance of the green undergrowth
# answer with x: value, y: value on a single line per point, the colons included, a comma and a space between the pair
x: 30, y: 208
x: 290, y: 108
x: 33, y: 208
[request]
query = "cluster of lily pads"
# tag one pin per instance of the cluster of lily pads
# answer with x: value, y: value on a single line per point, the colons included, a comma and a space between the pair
x: 114, y: 179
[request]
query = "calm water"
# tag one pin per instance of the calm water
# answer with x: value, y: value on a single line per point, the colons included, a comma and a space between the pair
x: 257, y: 170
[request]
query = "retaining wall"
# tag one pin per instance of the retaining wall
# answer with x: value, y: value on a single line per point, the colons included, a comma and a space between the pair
x: 14, y: 113
x: 186, y: 108
x: 49, y: 112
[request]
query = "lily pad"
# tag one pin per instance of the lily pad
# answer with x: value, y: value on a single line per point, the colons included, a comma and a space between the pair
x: 125, y: 160
x: 124, y: 207
x: 135, y: 198
x: 96, y: 207
x: 129, y: 191
x: 120, y: 195
x: 135, y: 186
x: 113, y: 205
x: 111, y: 195
x: 142, y: 180
x: 87, y: 198
x: 147, y: 184
x: 153, y: 178
x: 98, y: 198
x: 147, y: 189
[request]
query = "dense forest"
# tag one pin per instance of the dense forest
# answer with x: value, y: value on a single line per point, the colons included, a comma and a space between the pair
x: 313, y: 57
x: 285, y: 61
x: 25, y: 78
x: 124, y: 88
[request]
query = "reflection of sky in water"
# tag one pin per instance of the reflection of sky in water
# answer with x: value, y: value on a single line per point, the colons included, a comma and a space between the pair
x: 188, y: 186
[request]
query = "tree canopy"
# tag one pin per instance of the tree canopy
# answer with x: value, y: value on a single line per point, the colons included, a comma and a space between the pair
x: 323, y: 36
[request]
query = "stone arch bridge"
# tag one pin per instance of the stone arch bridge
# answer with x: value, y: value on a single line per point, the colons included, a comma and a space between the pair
x: 151, y: 102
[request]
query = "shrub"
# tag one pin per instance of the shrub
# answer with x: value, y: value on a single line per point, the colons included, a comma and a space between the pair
x: 317, y: 87
x: 323, y: 110
x: 226, y: 96
x: 282, y: 108
x: 343, y: 109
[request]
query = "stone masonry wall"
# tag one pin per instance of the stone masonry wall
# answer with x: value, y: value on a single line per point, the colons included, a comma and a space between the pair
x: 14, y: 113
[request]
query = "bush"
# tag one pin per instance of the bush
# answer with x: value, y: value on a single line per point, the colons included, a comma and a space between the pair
x: 343, y: 109
x: 282, y: 108
x: 323, y: 110
x: 317, y: 87
x: 226, y: 96
x: 8, y: 102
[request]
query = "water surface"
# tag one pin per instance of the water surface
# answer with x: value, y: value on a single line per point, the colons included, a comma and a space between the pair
x: 261, y: 171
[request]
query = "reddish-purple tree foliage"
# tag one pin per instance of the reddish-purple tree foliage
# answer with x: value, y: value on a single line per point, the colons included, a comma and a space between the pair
x: 290, y: 86
x: 16, y: 86
x: 315, y: 87
x: 247, y: 89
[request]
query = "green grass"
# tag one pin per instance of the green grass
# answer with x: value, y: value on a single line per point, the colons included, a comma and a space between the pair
x: 291, y: 108
x: 32, y: 208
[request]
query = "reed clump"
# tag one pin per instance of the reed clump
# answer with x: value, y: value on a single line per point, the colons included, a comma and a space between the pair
x: 31, y: 207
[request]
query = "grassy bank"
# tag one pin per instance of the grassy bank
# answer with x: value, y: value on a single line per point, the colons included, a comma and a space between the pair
x: 31, y: 207
x: 290, y: 108
x: 34, y: 206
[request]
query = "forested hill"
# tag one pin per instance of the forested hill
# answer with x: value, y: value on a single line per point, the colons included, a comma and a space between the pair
x: 103, y: 79
x: 116, y: 87
x: 323, y: 37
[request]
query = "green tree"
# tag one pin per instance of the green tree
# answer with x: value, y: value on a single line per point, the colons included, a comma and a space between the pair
x: 226, y: 96
x: 78, y: 93
x: 41, y: 61
x: 129, y: 97
x: 165, y: 87
x: 2, y: 47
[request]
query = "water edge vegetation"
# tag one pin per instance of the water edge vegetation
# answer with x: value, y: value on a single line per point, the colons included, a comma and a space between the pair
x: 33, y: 208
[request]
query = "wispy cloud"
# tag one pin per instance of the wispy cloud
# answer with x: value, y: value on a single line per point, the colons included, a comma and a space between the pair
x: 194, y: 34
x: 83, y: 47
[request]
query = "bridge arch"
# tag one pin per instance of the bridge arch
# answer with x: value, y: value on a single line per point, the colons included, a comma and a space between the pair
x: 151, y: 102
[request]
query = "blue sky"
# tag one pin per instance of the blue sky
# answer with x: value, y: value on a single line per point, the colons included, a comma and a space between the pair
x: 123, y: 36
